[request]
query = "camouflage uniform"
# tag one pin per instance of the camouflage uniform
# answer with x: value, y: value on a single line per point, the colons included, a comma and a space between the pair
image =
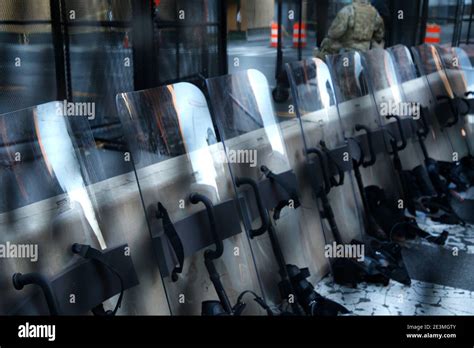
x: 356, y: 27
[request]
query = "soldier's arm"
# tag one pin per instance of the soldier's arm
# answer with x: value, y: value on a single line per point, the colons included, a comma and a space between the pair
x: 339, y: 25
x: 379, y: 32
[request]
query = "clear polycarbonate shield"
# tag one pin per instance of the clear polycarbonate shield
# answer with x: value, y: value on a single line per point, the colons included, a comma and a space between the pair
x: 430, y: 64
x: 384, y: 83
x: 244, y: 114
x: 416, y: 89
x: 357, y: 107
x: 390, y: 101
x: 458, y: 68
x: 315, y: 105
x: 407, y: 71
x: 175, y: 153
x: 460, y: 73
x: 55, y: 192
x: 355, y: 102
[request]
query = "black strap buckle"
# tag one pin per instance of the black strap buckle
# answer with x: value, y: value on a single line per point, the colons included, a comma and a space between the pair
x: 88, y: 252
x: 289, y: 190
x: 330, y: 158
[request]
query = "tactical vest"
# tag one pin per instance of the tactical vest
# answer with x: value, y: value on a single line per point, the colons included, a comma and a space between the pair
x: 362, y: 22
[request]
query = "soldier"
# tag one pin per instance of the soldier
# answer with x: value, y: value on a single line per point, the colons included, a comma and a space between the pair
x: 356, y: 27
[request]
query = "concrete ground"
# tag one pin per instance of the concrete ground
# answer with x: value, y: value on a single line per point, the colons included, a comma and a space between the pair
x: 421, y: 298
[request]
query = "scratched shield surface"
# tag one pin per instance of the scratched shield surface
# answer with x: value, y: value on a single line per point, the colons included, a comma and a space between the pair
x: 391, y: 100
x: 430, y: 64
x: 460, y: 74
x: 56, y: 192
x: 175, y: 152
x: 245, y: 118
x: 416, y: 88
x: 357, y: 106
x: 315, y: 104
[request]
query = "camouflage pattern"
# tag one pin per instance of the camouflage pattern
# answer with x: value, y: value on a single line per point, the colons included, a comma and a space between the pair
x: 356, y: 27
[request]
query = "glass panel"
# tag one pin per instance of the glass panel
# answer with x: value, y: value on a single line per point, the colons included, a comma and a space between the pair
x: 173, y: 144
x: 244, y: 115
x: 191, y: 12
x: 101, y: 67
x: 165, y: 42
x: 200, y: 51
x: 27, y: 67
x: 101, y: 64
x: 252, y: 39
x: 54, y: 195
x: 443, y: 13
x: 186, y: 39
x: 99, y: 10
x: 27, y: 72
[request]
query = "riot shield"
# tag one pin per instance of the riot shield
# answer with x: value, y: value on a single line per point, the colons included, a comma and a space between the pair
x: 315, y: 104
x: 372, y: 92
x: 73, y: 237
x: 283, y: 244
x: 416, y: 89
x: 334, y: 157
x: 357, y: 107
x: 448, y: 108
x: 176, y: 157
x: 460, y: 74
x: 408, y: 148
x: 390, y: 101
